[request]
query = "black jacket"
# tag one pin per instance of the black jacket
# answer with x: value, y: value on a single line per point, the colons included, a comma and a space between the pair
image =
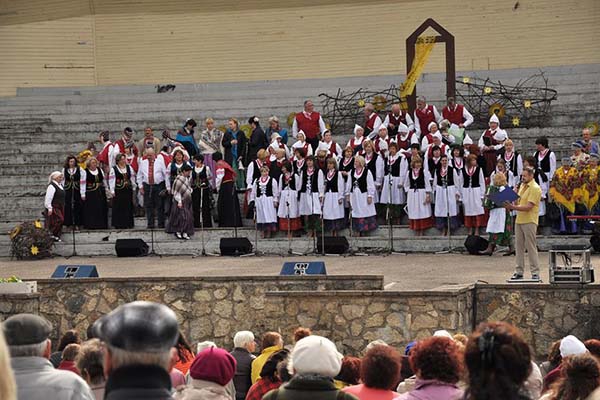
x: 143, y: 382
x: 313, y: 387
x: 241, y: 146
x: 258, y: 140
x: 242, y: 380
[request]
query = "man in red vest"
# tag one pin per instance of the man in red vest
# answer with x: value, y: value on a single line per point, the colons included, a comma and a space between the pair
x: 396, y: 117
x: 457, y: 114
x: 311, y: 123
x: 372, y: 121
x: 424, y: 115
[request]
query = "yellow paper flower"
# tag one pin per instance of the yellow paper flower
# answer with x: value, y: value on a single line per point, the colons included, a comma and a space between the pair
x: 487, y: 90
x: 516, y: 121
x: 527, y: 103
x: 15, y: 232
x: 466, y: 79
x: 34, y: 250
x: 361, y: 103
x: 38, y: 224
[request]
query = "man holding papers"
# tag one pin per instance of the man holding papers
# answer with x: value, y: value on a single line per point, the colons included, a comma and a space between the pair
x: 527, y: 208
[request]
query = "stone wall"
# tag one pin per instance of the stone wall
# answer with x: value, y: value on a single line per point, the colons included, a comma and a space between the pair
x: 351, y: 310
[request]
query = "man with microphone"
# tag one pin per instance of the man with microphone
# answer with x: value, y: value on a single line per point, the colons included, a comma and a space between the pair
x: 527, y: 209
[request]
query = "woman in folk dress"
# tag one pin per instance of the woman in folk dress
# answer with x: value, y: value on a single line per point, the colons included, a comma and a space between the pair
x: 311, y: 193
x: 346, y: 168
x: 301, y: 143
x: 418, y: 193
x: 360, y: 192
x: 288, y: 213
x: 265, y: 195
x: 472, y: 192
x: 74, y: 185
x: 121, y: 182
x: 95, y: 209
x: 499, y: 224
x: 392, y: 192
x: 181, y: 218
x: 446, y: 196
x: 54, y: 205
x: 501, y: 168
x: 333, y: 203
x: 356, y: 143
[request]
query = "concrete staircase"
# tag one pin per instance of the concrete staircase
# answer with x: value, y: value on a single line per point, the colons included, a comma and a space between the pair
x: 40, y: 126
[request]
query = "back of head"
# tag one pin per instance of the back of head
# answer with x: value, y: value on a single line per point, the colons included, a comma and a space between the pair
x: 27, y: 335
x: 301, y: 333
x: 271, y: 339
x: 90, y: 361
x: 315, y: 355
x: 243, y: 338
x: 213, y: 365
x: 269, y: 370
x: 593, y: 346
x: 8, y: 388
x: 437, y: 358
x: 380, y: 367
x: 498, y: 361
x: 350, y: 372
x: 580, y: 376
x: 70, y: 352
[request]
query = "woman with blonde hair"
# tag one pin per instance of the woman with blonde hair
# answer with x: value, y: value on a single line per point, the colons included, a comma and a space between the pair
x: 234, y: 144
x: 210, y: 142
x: 418, y: 193
x: 8, y: 387
x: 95, y: 209
x: 360, y: 193
x: 499, y: 224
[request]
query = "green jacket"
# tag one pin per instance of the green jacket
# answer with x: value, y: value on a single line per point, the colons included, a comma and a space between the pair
x: 308, y: 387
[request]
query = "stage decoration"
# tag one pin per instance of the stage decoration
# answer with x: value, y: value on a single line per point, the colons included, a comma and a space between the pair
x: 290, y: 119
x: 423, y: 47
x: 529, y: 100
x: 222, y: 128
x: 29, y: 241
x: 593, y: 127
x: 379, y: 102
x: 342, y: 110
x: 466, y: 79
x: 247, y: 129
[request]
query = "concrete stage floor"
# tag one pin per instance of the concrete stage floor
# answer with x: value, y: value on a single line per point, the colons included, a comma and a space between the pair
x: 409, y: 272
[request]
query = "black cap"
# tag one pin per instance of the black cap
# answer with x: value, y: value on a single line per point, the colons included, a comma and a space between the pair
x: 24, y: 329
x: 141, y: 326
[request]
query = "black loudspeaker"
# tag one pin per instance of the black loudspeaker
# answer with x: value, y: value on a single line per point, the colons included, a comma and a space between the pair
x: 235, y: 246
x: 75, y: 271
x: 474, y: 244
x: 333, y: 245
x: 595, y: 242
x: 131, y: 248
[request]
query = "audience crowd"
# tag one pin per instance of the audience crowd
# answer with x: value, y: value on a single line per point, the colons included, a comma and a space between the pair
x: 424, y: 166
x: 139, y: 352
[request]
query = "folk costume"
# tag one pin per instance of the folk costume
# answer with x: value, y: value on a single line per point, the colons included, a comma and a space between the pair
x: 394, y: 121
x: 472, y: 193
x: 311, y: 124
x: 392, y: 191
x: 54, y: 204
x: 121, y: 182
x: 311, y: 191
x: 361, y: 187
x: 333, y: 202
x: 181, y: 218
x: 491, y: 143
x: 564, y: 188
x: 228, y: 205
x: 457, y: 114
x: 265, y: 194
x: 417, y: 186
x: 445, y: 189
x: 288, y: 210
x: 202, y: 200
x: 74, y: 187
x: 95, y: 210
x: 424, y: 117
x: 500, y: 224
x: 514, y: 163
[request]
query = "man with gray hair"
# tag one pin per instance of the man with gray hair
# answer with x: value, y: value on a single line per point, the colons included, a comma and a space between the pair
x: 589, y: 146
x: 29, y: 346
x: 424, y: 115
x: 244, y: 345
x: 372, y: 121
x: 140, y: 340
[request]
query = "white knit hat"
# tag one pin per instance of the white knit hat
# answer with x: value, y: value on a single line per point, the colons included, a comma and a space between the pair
x: 571, y: 346
x: 443, y: 333
x: 402, y: 128
x: 467, y: 140
x: 316, y: 355
x: 430, y: 125
x: 357, y: 127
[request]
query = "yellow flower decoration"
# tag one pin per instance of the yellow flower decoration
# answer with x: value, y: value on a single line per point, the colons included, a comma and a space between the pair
x: 34, y: 250
x: 466, y: 79
x: 516, y: 121
x: 379, y: 102
x: 290, y: 119
x: 361, y: 103
x: 38, y: 224
x: 15, y: 232
x: 222, y: 128
x: 527, y: 103
x: 487, y: 90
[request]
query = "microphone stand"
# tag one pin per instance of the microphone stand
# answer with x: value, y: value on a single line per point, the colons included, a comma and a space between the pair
x: 323, y: 227
x: 204, y: 253
x: 74, y: 252
x: 389, y: 216
x: 449, y: 249
x: 152, y: 253
x: 255, y: 249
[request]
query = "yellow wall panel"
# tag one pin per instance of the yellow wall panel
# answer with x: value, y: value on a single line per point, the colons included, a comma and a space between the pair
x: 157, y: 41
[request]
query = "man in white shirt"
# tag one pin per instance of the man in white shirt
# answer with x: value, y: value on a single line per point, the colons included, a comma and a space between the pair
x: 151, y: 179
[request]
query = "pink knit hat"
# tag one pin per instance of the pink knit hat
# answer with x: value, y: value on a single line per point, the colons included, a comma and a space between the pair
x: 213, y: 365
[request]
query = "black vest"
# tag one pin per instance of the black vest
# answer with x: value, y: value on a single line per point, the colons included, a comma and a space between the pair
x: 544, y: 164
x: 93, y: 182
x: 275, y: 170
x: 256, y: 170
x: 512, y: 164
x: 72, y: 181
x: 120, y: 181
x: 449, y: 177
x: 332, y: 185
x: 59, y: 196
x: 419, y: 182
x: 199, y: 179
x: 471, y: 181
x: 347, y: 168
x: 291, y: 184
x: 267, y: 191
x: 314, y: 181
x: 361, y: 182
x: 372, y: 165
x: 297, y: 169
x: 433, y: 167
x: 394, y: 168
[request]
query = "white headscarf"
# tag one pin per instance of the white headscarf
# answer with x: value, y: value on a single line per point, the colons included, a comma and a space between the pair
x: 402, y: 128
x: 494, y: 118
x: 53, y: 176
x: 356, y: 128
x: 301, y: 132
x: 467, y: 140
x: 429, y: 126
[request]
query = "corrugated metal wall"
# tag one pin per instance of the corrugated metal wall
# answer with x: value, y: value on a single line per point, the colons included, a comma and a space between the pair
x: 106, y: 42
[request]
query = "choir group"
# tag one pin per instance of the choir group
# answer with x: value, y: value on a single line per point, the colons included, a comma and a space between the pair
x: 423, y: 165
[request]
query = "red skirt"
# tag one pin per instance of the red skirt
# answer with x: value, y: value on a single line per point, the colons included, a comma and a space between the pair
x: 54, y: 222
x: 295, y: 224
x: 474, y: 221
x: 420, y: 224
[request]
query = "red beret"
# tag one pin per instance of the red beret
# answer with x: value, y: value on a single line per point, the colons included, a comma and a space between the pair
x: 213, y: 365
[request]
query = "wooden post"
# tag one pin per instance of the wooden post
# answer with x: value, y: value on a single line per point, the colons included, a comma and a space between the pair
x: 448, y: 39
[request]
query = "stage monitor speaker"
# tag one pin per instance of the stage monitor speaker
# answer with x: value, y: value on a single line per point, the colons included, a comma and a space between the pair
x: 75, y: 271
x: 235, y: 246
x: 131, y: 248
x: 474, y: 244
x: 303, y: 268
x: 333, y: 245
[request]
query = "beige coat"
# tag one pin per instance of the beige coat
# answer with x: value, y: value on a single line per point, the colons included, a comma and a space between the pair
x: 202, y: 390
